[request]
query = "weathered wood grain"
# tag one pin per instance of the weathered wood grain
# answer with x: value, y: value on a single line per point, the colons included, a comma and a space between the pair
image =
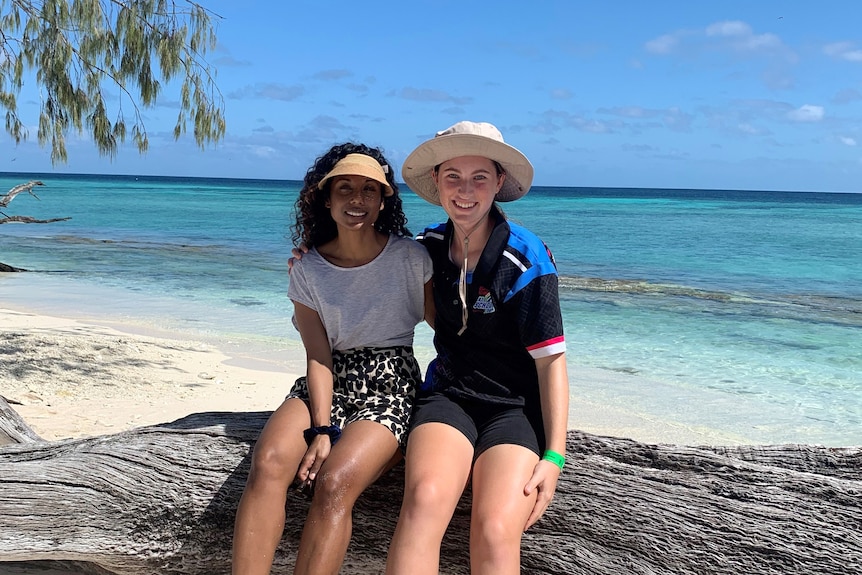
x: 161, y: 500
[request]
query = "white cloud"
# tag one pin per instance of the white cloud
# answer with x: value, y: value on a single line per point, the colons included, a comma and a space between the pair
x: 760, y: 41
x: 557, y: 119
x: 269, y: 91
x: 730, y: 36
x: 847, y: 141
x: 729, y: 28
x: 806, y: 113
x: 742, y: 36
x: 843, y: 51
x: 430, y: 95
x: 630, y: 112
x: 837, y: 48
x: 638, y: 148
x: 561, y: 94
x: 327, y: 75
x: 263, y: 151
x: 676, y: 119
x: 361, y: 88
x: 663, y: 44
x: 672, y: 118
x: 591, y: 126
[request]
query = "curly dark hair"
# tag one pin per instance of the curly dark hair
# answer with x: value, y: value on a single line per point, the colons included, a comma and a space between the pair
x: 314, y: 224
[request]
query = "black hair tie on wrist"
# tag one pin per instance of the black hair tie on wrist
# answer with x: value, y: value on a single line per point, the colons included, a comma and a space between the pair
x: 333, y: 431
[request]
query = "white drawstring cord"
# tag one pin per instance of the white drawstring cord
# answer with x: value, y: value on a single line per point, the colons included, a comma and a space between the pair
x: 462, y: 278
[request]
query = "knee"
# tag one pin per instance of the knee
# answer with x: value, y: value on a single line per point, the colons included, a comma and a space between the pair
x: 335, y: 491
x: 496, y: 534
x: 268, y: 463
x: 428, y: 496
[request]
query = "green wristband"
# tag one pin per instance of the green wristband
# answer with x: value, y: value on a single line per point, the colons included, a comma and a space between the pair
x: 554, y: 458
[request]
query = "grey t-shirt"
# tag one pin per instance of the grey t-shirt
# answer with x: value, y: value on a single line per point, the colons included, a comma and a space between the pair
x: 375, y: 305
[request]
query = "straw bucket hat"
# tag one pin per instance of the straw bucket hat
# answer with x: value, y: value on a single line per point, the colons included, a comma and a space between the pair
x: 359, y: 165
x: 467, y: 139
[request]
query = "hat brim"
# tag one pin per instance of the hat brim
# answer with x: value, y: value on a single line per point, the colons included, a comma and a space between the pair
x: 417, y: 168
x: 352, y: 168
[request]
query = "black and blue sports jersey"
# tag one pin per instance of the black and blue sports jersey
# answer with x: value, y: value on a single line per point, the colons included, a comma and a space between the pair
x: 514, y: 316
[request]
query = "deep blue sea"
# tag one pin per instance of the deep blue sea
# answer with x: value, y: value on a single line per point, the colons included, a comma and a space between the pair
x: 737, y: 313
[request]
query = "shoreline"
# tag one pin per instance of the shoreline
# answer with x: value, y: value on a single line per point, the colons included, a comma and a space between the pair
x: 72, y: 376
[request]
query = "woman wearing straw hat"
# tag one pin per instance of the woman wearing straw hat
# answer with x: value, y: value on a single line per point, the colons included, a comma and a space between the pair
x: 358, y: 294
x: 494, y: 406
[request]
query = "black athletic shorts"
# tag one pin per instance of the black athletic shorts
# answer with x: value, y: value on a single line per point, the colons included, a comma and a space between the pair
x: 484, y: 425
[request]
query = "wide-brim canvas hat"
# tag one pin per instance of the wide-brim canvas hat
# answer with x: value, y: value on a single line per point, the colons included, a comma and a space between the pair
x: 359, y: 165
x: 467, y: 139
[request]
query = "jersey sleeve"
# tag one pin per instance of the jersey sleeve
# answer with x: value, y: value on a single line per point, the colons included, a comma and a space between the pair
x: 536, y: 298
x: 539, y: 318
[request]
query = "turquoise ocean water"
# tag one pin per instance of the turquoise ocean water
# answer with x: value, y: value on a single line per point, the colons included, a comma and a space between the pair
x: 730, y: 311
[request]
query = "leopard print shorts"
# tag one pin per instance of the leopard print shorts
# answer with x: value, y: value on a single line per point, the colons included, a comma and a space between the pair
x: 377, y: 384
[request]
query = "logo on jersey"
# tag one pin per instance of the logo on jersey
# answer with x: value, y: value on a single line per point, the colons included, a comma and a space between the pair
x: 484, y: 303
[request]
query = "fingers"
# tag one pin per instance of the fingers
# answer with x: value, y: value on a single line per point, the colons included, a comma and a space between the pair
x: 543, y: 500
x: 532, y: 484
x: 315, y: 467
x: 544, y: 482
x: 544, y: 473
x: 297, y: 255
x: 313, y: 459
x: 538, y: 511
x: 305, y: 466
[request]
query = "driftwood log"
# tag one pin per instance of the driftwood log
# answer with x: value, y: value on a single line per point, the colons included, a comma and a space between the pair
x: 161, y: 500
x: 6, y: 198
x: 26, y: 187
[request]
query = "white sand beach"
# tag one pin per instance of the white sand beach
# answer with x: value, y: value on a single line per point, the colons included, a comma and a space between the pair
x: 72, y: 377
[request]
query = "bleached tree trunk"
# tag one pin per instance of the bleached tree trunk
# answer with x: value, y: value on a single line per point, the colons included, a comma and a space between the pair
x: 161, y: 500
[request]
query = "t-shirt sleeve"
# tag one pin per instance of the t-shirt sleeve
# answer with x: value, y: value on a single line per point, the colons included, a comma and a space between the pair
x: 427, y: 264
x: 298, y: 289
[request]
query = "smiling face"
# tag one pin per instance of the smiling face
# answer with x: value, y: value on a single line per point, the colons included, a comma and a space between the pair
x: 354, y: 201
x: 467, y: 187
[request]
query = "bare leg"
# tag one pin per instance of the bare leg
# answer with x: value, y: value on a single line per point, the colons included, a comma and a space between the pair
x: 500, y: 509
x: 366, y: 450
x: 260, y: 516
x: 438, y: 466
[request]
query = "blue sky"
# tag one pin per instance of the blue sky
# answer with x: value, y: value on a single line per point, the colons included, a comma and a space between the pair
x: 761, y: 95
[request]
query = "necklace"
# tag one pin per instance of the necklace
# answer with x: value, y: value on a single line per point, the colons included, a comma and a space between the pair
x: 462, y: 277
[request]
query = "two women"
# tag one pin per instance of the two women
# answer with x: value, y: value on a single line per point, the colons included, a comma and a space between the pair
x: 358, y: 294
x: 494, y: 406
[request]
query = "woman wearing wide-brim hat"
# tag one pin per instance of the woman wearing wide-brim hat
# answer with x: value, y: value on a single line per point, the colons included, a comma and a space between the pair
x: 494, y: 407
